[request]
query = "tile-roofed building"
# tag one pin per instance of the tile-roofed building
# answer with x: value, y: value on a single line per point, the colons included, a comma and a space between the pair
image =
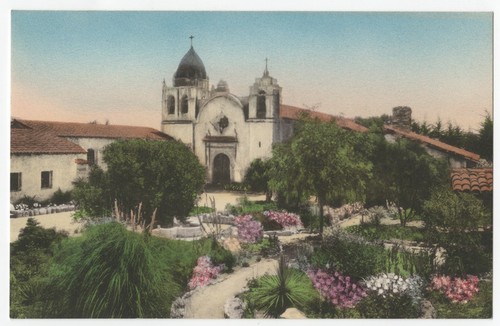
x: 472, y: 180
x: 294, y: 113
x: 92, y: 130
x: 48, y: 155
x: 31, y: 141
x: 457, y: 157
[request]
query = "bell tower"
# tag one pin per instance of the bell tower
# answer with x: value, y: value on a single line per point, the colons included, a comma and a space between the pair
x: 264, y: 99
x: 182, y: 100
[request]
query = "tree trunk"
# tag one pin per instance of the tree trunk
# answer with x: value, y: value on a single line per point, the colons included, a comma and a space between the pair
x: 320, y: 203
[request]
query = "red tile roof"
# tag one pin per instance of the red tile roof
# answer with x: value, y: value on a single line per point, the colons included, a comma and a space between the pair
x: 432, y: 142
x: 48, y: 137
x: 27, y: 140
x: 89, y: 130
x: 474, y: 180
x: 294, y: 113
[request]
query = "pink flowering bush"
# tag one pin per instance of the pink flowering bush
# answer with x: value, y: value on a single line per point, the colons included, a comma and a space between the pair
x: 249, y: 230
x: 204, y: 272
x: 456, y: 289
x: 284, y: 218
x: 337, y: 288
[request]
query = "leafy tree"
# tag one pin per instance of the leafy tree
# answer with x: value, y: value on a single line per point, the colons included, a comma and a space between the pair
x: 404, y: 174
x: 257, y: 177
x: 161, y: 176
x: 321, y: 159
x: 454, y: 220
x: 484, y: 145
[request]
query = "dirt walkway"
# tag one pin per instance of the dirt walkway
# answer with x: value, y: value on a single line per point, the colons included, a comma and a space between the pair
x: 64, y: 221
x: 60, y: 221
x: 208, y: 302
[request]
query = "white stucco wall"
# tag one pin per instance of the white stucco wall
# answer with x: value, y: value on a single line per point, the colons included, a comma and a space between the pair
x: 63, y: 167
x: 97, y: 144
x: 210, y: 113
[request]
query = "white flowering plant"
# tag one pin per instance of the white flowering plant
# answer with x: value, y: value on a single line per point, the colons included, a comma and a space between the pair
x: 391, y: 285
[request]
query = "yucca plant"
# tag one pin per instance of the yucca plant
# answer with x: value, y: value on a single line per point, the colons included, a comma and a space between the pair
x: 273, y: 294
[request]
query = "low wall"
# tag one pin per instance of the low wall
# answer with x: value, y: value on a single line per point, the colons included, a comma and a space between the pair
x: 179, y: 232
x: 42, y: 211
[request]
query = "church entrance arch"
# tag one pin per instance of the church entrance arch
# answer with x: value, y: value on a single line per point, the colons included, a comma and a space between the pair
x: 221, y: 169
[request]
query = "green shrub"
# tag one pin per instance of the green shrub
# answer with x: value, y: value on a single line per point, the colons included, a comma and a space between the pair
x: 454, y: 222
x: 110, y: 273
x: 266, y: 247
x: 353, y: 256
x: 387, y: 232
x: 273, y: 294
x: 60, y: 197
x: 27, y: 200
x: 374, y: 306
x: 30, y: 257
x: 481, y: 305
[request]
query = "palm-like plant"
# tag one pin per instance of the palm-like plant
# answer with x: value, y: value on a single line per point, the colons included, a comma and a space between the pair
x: 290, y: 287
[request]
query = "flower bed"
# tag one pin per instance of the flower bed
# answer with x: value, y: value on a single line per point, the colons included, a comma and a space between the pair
x: 204, y: 272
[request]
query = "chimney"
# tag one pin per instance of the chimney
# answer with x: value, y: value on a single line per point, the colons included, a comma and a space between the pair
x: 401, y: 117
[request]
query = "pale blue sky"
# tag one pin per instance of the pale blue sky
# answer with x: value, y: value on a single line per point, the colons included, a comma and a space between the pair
x: 81, y: 66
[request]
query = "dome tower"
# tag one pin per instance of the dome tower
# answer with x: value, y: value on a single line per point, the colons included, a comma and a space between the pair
x: 181, y: 102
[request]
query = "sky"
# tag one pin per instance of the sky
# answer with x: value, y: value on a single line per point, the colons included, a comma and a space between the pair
x: 109, y: 65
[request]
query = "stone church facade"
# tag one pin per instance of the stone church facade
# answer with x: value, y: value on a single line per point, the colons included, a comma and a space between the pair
x: 225, y: 131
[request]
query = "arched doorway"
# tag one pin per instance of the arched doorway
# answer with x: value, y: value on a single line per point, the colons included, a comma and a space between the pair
x: 221, y: 174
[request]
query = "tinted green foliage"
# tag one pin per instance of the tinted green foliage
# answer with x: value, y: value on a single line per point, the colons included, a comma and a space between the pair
x: 374, y: 306
x: 453, y: 220
x: 481, y: 305
x: 163, y: 175
x: 387, y: 232
x: 109, y: 273
x: 354, y: 259
x: 93, y: 196
x: 404, y: 174
x: 480, y: 143
x: 257, y: 176
x: 321, y: 159
x: 273, y: 294
x: 29, y: 264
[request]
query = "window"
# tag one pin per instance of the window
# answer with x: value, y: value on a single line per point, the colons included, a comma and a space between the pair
x: 261, y: 105
x: 15, y: 181
x: 184, y: 104
x: 91, y: 159
x: 170, y: 104
x: 46, y: 179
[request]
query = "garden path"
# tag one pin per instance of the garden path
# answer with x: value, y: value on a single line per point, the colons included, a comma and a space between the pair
x: 208, y: 302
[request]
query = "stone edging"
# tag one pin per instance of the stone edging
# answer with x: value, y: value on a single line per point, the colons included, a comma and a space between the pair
x: 42, y: 211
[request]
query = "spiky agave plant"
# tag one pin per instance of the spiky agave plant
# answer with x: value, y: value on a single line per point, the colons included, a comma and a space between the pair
x: 290, y: 287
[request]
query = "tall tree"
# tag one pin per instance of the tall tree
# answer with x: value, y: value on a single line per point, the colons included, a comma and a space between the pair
x: 159, y: 175
x: 322, y: 160
x: 404, y: 174
x: 485, y: 142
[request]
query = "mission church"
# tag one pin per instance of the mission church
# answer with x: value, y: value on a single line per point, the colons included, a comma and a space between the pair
x: 225, y: 131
